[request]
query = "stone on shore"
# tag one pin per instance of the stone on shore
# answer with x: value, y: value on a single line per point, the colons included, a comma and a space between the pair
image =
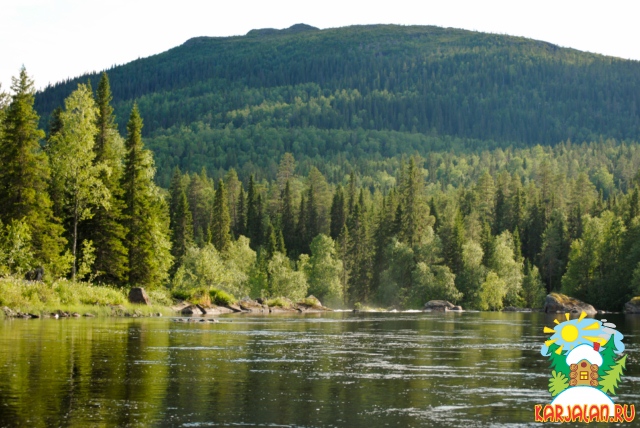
x: 138, y: 296
x: 632, y: 306
x: 557, y: 303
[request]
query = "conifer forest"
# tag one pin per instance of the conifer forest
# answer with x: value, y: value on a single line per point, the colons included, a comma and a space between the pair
x: 376, y: 165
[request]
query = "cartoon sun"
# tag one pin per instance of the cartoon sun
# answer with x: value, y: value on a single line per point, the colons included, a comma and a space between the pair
x: 571, y: 333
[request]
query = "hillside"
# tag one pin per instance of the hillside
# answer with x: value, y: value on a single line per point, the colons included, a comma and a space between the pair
x: 363, y: 92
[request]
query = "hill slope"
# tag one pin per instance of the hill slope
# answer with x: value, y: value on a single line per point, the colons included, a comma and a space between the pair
x: 364, y: 92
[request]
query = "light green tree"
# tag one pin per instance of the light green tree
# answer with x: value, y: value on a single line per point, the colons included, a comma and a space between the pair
x: 284, y: 280
x: 503, y: 263
x: 16, y: 255
x: 323, y: 270
x: 73, y: 173
x: 492, y: 292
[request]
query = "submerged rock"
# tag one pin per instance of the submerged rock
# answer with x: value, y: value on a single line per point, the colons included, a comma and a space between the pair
x: 138, y: 296
x: 632, y: 306
x: 559, y: 303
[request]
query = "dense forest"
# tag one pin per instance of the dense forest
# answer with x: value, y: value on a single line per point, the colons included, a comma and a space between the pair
x: 381, y: 165
x: 336, y: 97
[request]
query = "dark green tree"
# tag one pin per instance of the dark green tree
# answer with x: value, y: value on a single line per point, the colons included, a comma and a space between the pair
x: 221, y: 221
x: 146, y: 213
x: 24, y: 175
x: 105, y: 229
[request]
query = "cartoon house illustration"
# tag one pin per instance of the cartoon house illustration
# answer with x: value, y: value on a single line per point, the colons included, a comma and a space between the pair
x: 584, y: 362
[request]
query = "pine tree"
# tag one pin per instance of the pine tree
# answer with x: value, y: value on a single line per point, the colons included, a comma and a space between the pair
x: 24, y: 174
x: 105, y: 229
x: 221, y: 222
x: 74, y: 174
x: 608, y: 353
x: 146, y: 214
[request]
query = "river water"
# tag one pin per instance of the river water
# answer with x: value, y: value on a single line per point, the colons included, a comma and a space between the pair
x: 339, y: 369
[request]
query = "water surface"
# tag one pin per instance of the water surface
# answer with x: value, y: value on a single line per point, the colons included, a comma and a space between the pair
x: 339, y: 369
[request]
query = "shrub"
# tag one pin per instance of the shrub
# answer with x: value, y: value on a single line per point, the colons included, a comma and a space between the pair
x: 221, y: 298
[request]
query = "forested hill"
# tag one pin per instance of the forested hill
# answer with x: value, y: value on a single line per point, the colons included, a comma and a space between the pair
x: 363, y: 92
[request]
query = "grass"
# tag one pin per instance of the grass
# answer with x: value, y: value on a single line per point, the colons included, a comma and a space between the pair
x: 81, y: 297
x: 636, y: 300
x: 564, y: 299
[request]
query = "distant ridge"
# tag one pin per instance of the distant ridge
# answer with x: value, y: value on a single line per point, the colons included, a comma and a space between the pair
x: 370, y: 90
x: 294, y: 29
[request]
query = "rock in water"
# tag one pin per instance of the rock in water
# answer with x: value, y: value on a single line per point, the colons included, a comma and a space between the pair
x: 559, y: 303
x: 139, y: 296
x: 632, y: 306
x: 439, y: 305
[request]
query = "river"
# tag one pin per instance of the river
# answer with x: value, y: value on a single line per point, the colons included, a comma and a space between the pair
x: 318, y: 370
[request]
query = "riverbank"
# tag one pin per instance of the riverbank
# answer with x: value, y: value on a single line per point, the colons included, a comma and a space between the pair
x: 64, y: 298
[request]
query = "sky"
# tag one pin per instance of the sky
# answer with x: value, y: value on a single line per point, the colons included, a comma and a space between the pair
x: 60, y: 39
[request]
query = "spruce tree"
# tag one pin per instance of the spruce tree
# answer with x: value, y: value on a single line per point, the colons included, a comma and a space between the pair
x: 254, y: 215
x: 181, y: 228
x: 106, y: 229
x: 287, y: 217
x: 221, y: 222
x: 241, y: 223
x: 338, y: 213
x: 146, y: 214
x: 24, y: 175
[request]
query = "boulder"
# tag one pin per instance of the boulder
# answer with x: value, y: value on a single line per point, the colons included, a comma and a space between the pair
x: 632, y: 306
x: 35, y: 274
x: 438, y: 305
x: 556, y: 303
x: 8, y: 312
x: 249, y: 305
x: 139, y: 296
x: 193, y: 310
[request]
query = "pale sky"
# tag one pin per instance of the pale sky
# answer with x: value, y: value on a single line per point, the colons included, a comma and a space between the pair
x: 58, y: 39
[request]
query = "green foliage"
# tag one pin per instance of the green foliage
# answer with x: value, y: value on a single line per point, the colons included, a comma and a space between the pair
x: 557, y: 383
x: 16, y: 255
x: 610, y: 380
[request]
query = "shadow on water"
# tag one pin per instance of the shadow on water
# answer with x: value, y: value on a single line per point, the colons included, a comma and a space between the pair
x: 341, y: 369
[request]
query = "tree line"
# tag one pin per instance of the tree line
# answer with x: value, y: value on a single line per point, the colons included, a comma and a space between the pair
x: 485, y: 229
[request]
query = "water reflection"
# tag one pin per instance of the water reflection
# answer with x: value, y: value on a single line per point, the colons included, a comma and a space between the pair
x: 341, y: 369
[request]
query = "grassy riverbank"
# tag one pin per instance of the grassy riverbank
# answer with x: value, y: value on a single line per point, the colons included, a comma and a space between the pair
x: 46, y: 297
